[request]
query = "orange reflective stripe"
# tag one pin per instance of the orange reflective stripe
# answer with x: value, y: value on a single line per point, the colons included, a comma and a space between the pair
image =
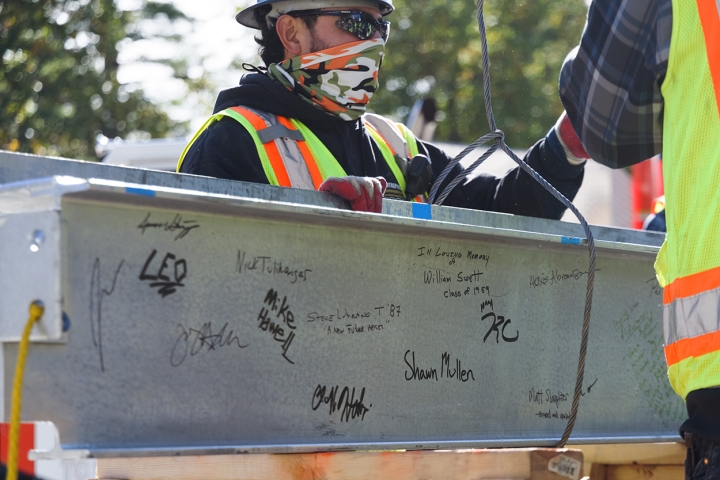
x: 270, y: 148
x: 310, y: 162
x: 692, y: 347
x: 710, y: 19
x: 692, y: 285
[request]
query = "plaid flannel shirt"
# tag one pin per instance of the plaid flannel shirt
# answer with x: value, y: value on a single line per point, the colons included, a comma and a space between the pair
x: 610, y: 84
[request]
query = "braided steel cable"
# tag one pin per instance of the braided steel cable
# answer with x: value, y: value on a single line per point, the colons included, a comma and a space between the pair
x: 499, y: 142
x: 480, y: 141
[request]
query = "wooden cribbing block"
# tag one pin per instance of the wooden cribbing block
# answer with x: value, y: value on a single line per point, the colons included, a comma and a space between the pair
x: 637, y: 472
x: 658, y: 461
x: 668, y: 453
x: 527, y: 463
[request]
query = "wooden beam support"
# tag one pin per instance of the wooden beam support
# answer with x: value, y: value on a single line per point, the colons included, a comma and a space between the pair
x: 530, y: 463
x: 670, y: 453
x: 645, y: 472
x: 634, y: 460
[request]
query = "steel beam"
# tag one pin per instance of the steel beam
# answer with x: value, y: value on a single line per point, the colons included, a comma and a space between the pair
x: 208, y: 323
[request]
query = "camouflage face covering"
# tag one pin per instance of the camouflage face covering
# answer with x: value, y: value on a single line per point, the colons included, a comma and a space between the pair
x: 340, y: 80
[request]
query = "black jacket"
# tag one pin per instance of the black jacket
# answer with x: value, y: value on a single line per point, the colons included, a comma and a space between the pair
x: 226, y: 150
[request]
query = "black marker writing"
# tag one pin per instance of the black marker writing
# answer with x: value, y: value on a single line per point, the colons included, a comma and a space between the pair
x: 476, y: 256
x: 435, y: 275
x: 282, y: 313
x: 343, y: 313
x: 446, y: 370
x: 161, y: 280
x: 417, y: 373
x: 556, y: 277
x: 450, y: 255
x: 413, y: 372
x: 97, y: 295
x: 183, y: 227
x: 469, y: 277
x: 549, y: 414
x: 554, y: 398
x: 589, y: 388
x: 499, y: 323
x: 270, y: 266
x: 655, y: 286
x: 345, y: 403
x: 194, y: 341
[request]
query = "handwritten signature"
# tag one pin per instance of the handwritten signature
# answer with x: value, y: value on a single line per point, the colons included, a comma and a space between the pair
x: 177, y: 224
x: 284, y: 315
x: 498, y: 326
x: 195, y: 341
x: 165, y: 285
x: 270, y: 266
x: 97, y: 295
x: 346, y: 404
x: 556, y: 277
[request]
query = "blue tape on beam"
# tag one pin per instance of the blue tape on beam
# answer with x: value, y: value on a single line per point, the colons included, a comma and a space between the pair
x: 140, y: 191
x: 571, y: 240
x: 422, y: 211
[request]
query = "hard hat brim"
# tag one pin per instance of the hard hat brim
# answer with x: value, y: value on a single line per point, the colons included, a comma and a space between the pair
x: 246, y: 17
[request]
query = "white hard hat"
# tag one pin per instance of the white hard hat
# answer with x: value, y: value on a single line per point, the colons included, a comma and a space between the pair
x: 280, y: 7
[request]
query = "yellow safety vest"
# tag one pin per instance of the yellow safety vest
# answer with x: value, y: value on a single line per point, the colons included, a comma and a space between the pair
x: 292, y: 156
x: 688, y: 265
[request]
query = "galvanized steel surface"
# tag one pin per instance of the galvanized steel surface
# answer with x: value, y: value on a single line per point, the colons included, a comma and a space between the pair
x: 29, y: 271
x: 212, y: 324
x: 16, y: 167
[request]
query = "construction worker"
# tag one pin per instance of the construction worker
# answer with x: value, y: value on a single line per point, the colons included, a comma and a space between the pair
x: 645, y: 79
x: 655, y: 222
x: 302, y: 122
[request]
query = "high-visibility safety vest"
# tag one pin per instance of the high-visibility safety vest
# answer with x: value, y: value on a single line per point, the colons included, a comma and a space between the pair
x: 688, y: 265
x: 292, y: 156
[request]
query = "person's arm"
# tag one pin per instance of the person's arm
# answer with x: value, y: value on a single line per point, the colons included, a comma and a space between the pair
x: 225, y: 150
x: 610, y: 84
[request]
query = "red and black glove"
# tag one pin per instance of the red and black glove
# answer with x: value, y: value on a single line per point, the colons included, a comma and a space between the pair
x: 365, y: 194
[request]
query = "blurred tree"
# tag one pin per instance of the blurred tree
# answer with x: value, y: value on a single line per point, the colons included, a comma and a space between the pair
x: 58, y: 82
x: 434, y: 50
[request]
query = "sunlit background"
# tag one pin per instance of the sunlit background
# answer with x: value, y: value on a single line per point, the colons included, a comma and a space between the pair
x: 216, y: 45
x: 80, y: 77
x: 213, y: 43
x: 75, y: 70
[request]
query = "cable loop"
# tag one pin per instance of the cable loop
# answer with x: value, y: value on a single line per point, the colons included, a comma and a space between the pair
x: 497, y: 135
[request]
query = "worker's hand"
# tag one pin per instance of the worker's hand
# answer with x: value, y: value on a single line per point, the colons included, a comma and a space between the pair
x: 364, y: 193
x: 574, y: 150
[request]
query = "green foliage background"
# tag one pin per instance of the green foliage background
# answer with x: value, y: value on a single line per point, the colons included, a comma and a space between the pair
x: 59, y: 64
x: 434, y: 50
x: 58, y: 75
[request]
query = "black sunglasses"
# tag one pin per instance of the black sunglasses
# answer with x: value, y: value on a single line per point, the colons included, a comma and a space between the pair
x: 361, y: 24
